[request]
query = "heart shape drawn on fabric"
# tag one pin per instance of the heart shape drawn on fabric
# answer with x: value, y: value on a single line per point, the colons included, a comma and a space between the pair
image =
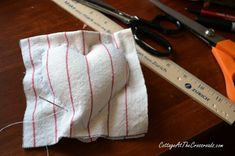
x: 80, y: 79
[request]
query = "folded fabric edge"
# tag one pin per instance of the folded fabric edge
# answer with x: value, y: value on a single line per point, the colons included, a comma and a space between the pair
x: 95, y: 138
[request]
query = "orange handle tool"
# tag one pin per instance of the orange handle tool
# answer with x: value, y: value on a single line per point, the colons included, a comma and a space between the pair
x: 224, y: 52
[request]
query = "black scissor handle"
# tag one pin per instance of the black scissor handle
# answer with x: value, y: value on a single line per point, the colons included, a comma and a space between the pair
x: 139, y: 32
x: 166, y: 18
x: 156, y: 24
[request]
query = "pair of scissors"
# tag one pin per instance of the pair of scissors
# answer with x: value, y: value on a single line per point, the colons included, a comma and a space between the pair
x: 222, y: 49
x: 140, y: 27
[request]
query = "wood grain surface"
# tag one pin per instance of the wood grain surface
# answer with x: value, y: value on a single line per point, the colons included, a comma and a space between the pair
x: 173, y: 116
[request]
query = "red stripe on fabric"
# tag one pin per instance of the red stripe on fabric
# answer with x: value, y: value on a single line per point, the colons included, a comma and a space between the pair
x: 90, y: 86
x: 35, y: 94
x: 126, y: 99
x: 52, y: 90
x: 111, y: 92
x: 91, y: 96
x: 70, y: 89
x: 83, y: 42
x: 126, y: 103
x: 100, y: 37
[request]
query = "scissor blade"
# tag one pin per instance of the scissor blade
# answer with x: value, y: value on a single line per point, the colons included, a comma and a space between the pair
x: 103, y: 4
x: 107, y: 9
x: 195, y: 27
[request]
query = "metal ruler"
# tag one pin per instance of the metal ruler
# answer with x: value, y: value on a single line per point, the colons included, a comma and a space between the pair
x: 173, y: 73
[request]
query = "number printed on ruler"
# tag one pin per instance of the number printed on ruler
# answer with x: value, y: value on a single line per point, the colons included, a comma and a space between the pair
x: 167, y: 69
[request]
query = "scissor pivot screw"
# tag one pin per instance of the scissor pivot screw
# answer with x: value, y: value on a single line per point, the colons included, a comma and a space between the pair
x: 210, y: 33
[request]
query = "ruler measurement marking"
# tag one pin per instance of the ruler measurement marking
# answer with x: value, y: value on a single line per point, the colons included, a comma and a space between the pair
x: 167, y: 69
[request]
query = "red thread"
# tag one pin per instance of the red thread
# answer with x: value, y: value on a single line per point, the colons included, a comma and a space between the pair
x: 83, y: 41
x: 111, y: 92
x: 134, y: 135
x: 52, y: 90
x: 91, y: 96
x: 35, y: 94
x: 70, y: 89
x: 126, y: 109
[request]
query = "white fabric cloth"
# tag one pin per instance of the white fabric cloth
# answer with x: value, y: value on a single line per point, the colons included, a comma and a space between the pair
x: 94, y: 81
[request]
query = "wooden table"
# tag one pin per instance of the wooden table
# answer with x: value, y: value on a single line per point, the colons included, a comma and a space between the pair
x: 173, y: 116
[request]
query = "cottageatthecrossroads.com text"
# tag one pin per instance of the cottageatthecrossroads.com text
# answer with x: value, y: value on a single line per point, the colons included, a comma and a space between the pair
x: 186, y: 144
